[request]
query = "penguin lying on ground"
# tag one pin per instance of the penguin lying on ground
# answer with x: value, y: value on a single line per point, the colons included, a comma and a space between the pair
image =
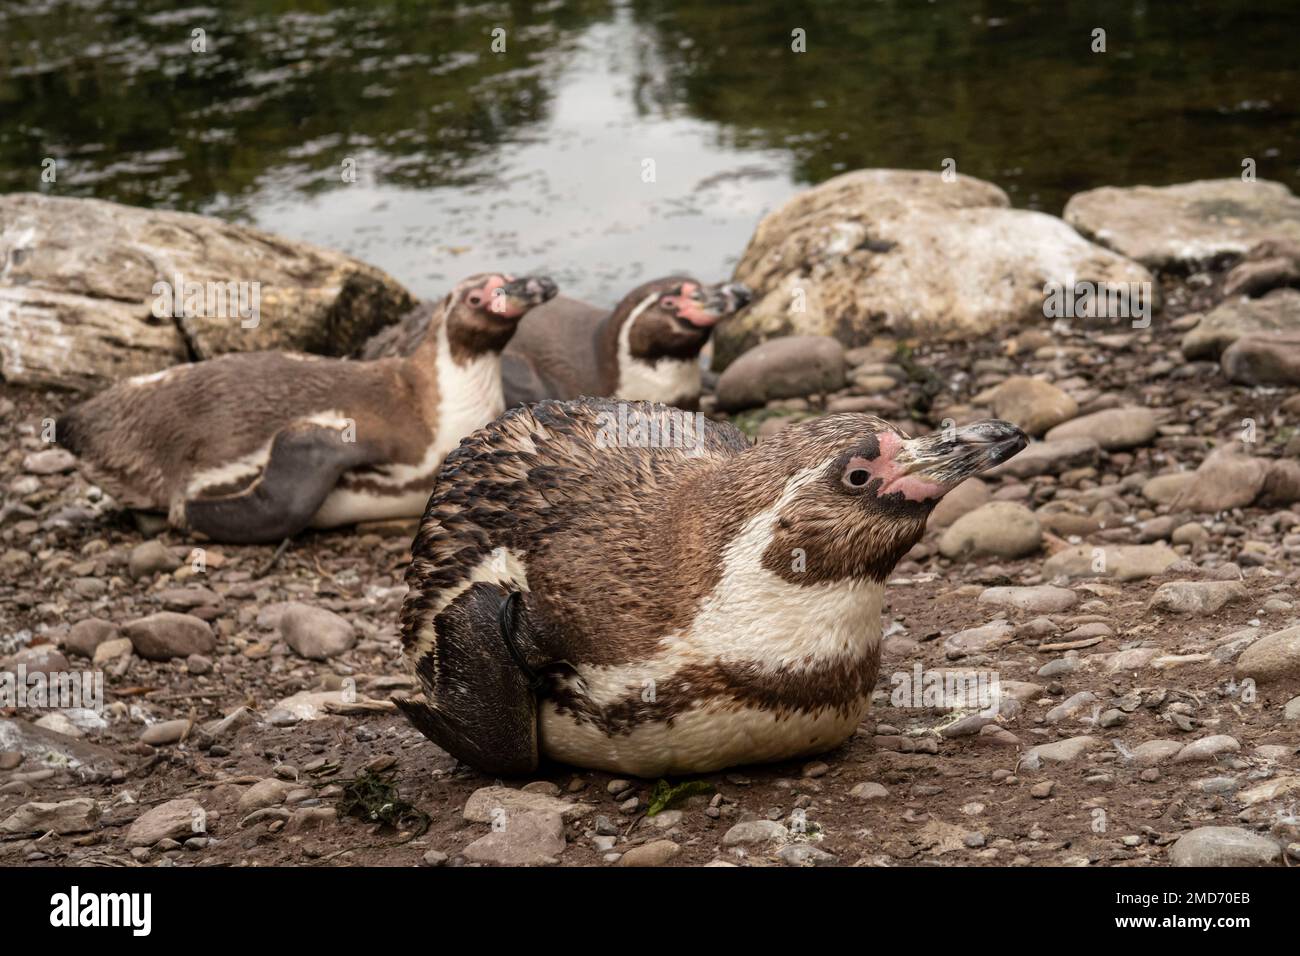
x: 646, y: 349
x: 254, y: 447
x: 671, y: 609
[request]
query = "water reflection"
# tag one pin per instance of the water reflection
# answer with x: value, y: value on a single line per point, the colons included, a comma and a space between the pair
x: 535, y: 158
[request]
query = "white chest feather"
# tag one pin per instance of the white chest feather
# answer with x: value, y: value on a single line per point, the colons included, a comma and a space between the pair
x: 753, y: 617
x: 667, y: 381
x: 469, y: 396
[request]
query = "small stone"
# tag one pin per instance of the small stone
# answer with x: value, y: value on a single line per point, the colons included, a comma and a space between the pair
x: 166, y: 732
x: 527, y: 838
x: 1272, y: 658
x: 1114, y: 429
x: 1224, y: 846
x: 315, y: 633
x: 1041, y: 791
x: 484, y: 802
x: 1207, y: 748
x: 265, y: 793
x: 85, y: 636
x: 805, y: 854
x: 174, y: 820
x: 162, y: 636
x: 1002, y: 529
x: 755, y: 831
x: 51, y: 461
x: 434, y: 858
x: 1061, y: 751
x: 867, y: 792
x: 67, y: 816
x: 150, y: 558
x: 658, y: 853
x: 112, y: 650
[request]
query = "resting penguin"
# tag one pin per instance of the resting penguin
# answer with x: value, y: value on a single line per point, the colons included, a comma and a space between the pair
x: 664, y: 610
x: 646, y: 349
x: 254, y: 447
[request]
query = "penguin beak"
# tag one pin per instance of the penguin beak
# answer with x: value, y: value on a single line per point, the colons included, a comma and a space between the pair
x: 950, y: 456
x: 712, y: 303
x: 519, y: 295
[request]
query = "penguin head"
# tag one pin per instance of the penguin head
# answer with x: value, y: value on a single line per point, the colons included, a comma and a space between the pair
x: 673, y: 317
x: 855, y: 492
x: 484, y: 310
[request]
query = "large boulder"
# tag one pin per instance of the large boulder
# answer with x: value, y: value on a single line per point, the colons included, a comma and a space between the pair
x: 80, y: 304
x: 1187, y: 225
x: 1235, y: 318
x: 904, y: 252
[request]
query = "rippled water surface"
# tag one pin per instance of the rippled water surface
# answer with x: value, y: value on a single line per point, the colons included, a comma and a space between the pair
x: 533, y: 158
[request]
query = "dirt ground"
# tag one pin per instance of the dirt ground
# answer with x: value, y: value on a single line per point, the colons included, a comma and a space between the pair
x: 947, y: 799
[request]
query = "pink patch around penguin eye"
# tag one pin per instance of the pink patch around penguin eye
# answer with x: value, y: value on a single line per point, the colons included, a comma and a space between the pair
x: 894, y: 478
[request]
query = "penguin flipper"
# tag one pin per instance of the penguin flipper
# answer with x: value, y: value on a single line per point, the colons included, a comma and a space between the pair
x: 480, y: 702
x: 303, y: 466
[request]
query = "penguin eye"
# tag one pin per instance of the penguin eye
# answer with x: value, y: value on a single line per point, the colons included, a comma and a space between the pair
x: 857, y: 477
x: 474, y: 299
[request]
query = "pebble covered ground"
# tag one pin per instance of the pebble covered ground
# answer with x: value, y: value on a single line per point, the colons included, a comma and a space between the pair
x: 1148, y: 716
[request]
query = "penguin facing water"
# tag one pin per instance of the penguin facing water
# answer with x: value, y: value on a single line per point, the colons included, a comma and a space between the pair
x: 254, y: 447
x: 664, y: 608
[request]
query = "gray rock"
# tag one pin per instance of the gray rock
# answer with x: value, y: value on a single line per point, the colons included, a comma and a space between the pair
x: 1225, y: 479
x: 85, y: 636
x: 805, y: 854
x: 1002, y: 529
x: 1292, y: 709
x: 1121, y: 562
x: 1060, y: 751
x: 755, y: 831
x: 79, y: 291
x: 1272, y: 658
x: 1207, y: 748
x: 1031, y: 403
x: 487, y: 802
x: 1185, y: 225
x: 967, y: 496
x: 527, y: 838
x: 1197, y: 597
x: 51, y: 461
x: 66, y: 816
x: 657, y: 853
x: 150, y: 558
x: 1224, y: 846
x: 1236, y: 317
x: 782, y: 368
x: 1050, y: 458
x: 1152, y: 753
x: 978, y: 640
x: 166, y: 732
x: 1113, y: 429
x: 315, y: 633
x: 1071, y: 707
x: 866, y: 792
x: 268, y: 792
x: 173, y: 820
x: 1269, y: 360
x: 1040, y: 599
x: 162, y: 636
x: 41, y: 747
x: 906, y: 252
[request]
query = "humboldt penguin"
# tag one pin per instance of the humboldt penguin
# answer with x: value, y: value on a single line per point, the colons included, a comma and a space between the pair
x: 254, y: 447
x: 669, y: 606
x: 646, y: 349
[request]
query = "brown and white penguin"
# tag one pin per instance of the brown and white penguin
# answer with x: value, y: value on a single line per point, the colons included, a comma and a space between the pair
x: 671, y: 609
x: 646, y: 349
x: 254, y: 447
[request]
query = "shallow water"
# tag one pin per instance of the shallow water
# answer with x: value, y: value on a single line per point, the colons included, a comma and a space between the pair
x: 533, y: 159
